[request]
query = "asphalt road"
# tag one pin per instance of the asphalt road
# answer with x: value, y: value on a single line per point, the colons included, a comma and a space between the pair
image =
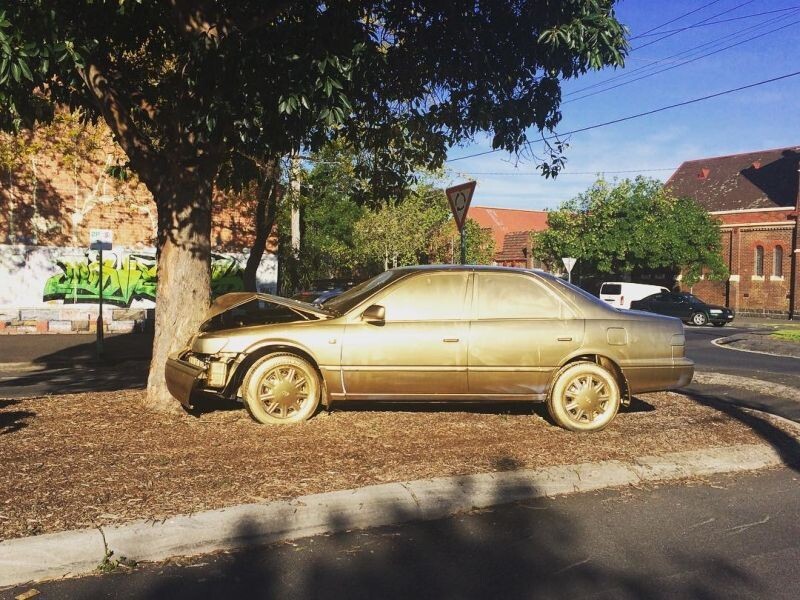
x: 711, y: 358
x: 730, y: 537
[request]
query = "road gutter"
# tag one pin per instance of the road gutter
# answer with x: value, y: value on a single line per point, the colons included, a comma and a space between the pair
x: 79, y: 552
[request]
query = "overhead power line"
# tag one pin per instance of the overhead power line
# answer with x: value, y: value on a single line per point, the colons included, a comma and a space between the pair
x: 644, y: 114
x: 595, y: 172
x: 750, y: 16
x: 678, y: 18
x: 684, y: 53
x: 719, y: 14
x: 681, y: 64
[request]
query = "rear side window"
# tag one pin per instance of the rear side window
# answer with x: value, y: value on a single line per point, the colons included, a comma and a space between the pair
x: 611, y: 289
x: 515, y: 296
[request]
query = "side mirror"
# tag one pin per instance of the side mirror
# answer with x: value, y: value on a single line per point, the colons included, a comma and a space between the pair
x: 374, y: 314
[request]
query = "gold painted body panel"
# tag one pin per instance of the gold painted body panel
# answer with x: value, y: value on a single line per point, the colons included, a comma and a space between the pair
x: 519, y: 356
x: 405, y: 357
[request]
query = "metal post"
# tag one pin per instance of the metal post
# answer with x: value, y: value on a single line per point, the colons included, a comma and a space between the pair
x: 100, y: 314
x: 569, y: 275
x: 463, y: 246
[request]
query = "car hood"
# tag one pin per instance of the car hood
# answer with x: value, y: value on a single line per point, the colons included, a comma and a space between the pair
x: 228, y: 301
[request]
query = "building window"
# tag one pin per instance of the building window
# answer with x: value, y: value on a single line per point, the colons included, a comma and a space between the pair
x: 777, y: 266
x: 759, y: 262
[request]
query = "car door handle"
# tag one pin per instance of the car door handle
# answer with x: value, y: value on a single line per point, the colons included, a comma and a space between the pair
x: 450, y: 340
x: 565, y: 339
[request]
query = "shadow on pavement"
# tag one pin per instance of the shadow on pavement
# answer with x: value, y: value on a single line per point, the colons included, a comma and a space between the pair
x: 76, y: 368
x: 786, y: 445
x: 531, y: 550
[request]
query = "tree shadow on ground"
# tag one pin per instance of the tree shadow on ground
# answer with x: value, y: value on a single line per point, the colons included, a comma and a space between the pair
x: 75, y: 368
x: 787, y: 446
x: 529, y: 550
x: 13, y: 420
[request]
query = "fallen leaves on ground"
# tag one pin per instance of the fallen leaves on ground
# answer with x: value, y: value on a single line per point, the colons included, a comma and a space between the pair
x: 84, y: 460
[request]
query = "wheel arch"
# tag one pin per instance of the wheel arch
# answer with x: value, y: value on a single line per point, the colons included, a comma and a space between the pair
x: 255, y: 354
x: 605, y: 362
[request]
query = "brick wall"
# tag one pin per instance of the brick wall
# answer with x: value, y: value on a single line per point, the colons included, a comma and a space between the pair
x: 50, y: 197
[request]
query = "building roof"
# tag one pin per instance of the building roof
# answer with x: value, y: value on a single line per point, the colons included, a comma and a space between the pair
x: 516, y: 246
x: 507, y: 220
x: 762, y: 179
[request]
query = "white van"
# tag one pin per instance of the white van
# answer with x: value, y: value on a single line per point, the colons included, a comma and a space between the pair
x: 620, y: 294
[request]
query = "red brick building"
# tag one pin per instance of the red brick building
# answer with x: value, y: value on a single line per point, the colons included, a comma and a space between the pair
x: 511, y: 229
x: 756, y: 197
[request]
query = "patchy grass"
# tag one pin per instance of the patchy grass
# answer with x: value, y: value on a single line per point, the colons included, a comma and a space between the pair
x: 787, y: 335
x: 85, y: 460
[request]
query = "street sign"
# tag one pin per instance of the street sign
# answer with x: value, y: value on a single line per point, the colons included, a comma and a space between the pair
x: 459, y: 197
x: 100, y: 239
x: 569, y: 262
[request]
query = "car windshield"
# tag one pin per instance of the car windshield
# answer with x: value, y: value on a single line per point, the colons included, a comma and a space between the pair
x: 354, y: 296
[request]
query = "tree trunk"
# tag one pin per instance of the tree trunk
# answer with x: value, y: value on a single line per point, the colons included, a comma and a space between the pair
x: 266, y: 213
x: 184, y: 275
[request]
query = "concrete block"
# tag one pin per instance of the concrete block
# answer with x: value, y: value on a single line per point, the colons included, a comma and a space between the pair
x: 121, y: 326
x: 40, y: 314
x: 80, y: 326
x: 60, y: 326
x: 42, y: 326
x: 128, y: 314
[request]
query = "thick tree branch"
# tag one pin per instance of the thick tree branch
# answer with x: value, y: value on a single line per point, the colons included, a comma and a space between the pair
x: 136, y: 146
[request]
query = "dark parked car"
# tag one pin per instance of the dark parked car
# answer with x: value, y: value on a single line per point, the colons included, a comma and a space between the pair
x: 323, y: 290
x: 687, y: 307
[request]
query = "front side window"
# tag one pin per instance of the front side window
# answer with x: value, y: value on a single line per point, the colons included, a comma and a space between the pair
x: 427, y: 297
x: 759, y: 261
x: 777, y: 268
x: 515, y: 296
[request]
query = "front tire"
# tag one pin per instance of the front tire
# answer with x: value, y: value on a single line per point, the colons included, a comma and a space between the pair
x: 699, y: 319
x: 584, y: 397
x: 281, y: 389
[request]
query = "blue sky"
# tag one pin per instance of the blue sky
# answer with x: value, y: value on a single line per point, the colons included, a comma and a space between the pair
x: 767, y: 116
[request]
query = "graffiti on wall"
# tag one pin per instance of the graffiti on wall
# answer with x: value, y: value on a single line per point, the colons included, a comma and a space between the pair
x: 128, y: 277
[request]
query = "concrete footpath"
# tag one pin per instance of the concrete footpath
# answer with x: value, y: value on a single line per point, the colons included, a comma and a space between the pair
x: 80, y: 552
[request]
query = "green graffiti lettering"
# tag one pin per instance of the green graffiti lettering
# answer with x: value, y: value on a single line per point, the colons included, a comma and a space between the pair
x: 127, y: 278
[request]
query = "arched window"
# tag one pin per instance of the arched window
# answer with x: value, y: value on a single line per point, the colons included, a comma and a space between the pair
x: 759, y: 262
x: 777, y: 265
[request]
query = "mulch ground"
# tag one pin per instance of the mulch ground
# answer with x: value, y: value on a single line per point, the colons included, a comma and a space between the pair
x: 84, y: 460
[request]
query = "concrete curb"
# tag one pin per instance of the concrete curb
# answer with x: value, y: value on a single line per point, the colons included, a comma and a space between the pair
x: 80, y: 552
x: 721, y: 342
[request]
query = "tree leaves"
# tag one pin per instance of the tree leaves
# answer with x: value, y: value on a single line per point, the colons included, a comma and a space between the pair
x: 614, y: 229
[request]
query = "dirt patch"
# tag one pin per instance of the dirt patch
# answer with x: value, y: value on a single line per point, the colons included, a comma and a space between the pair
x: 94, y: 459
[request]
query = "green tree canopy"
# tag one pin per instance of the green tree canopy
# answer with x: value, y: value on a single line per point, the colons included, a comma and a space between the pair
x: 183, y: 84
x: 616, y: 228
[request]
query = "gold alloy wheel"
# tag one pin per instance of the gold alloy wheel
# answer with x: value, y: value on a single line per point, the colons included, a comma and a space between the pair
x: 584, y: 397
x: 282, y: 388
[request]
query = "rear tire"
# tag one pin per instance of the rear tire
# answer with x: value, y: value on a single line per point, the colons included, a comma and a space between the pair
x: 699, y: 319
x: 584, y: 397
x: 281, y: 388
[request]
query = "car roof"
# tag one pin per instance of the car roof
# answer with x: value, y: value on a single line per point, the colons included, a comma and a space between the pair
x: 444, y: 267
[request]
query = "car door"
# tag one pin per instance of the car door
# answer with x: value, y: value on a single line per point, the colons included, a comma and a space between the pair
x: 662, y: 304
x: 520, y: 333
x: 680, y: 306
x: 420, y: 350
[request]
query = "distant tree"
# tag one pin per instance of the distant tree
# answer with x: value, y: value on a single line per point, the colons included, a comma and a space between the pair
x: 445, y: 244
x: 183, y: 84
x: 614, y: 228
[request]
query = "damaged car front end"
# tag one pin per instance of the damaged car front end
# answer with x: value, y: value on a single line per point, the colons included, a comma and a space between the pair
x: 212, y: 361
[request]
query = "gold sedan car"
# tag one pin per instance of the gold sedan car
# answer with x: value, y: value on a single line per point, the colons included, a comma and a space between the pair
x: 433, y: 333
